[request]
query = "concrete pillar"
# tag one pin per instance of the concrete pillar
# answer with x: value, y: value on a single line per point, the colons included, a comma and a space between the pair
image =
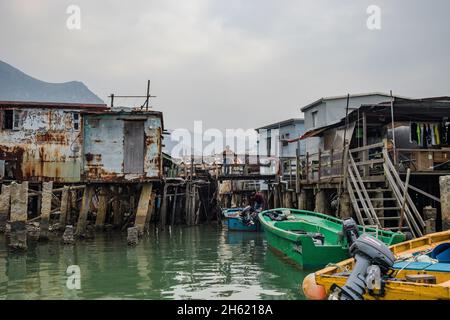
x: 345, y: 206
x: 46, y: 208
x: 64, y: 208
x: 287, y: 199
x: 68, y: 236
x: 321, y: 204
x: 102, y: 207
x: 85, y: 205
x: 132, y: 236
x: 19, y: 208
x: 429, y: 215
x: 302, y: 201
x: 444, y: 183
x: 143, y: 207
x: 5, y: 202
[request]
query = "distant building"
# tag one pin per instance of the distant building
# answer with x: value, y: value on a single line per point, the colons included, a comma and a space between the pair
x: 330, y: 110
x: 68, y: 142
x: 287, y: 139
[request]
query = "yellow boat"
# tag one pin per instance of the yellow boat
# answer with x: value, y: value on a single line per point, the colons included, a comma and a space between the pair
x: 410, y: 279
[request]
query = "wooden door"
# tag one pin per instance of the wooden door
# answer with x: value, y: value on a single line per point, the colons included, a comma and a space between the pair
x: 134, y: 147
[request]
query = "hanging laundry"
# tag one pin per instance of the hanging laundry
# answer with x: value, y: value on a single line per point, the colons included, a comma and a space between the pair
x: 433, y: 137
x: 419, y: 135
x: 428, y: 136
x: 422, y: 135
x: 437, y: 138
x: 413, y: 136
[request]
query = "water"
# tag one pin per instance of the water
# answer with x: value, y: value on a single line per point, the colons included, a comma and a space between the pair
x: 188, y: 263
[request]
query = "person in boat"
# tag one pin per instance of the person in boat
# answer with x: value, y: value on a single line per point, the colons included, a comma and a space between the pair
x: 257, y: 201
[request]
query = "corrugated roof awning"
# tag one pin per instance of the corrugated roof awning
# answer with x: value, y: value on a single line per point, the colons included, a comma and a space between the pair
x: 315, y: 132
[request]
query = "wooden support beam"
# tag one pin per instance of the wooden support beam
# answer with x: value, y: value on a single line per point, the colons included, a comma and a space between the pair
x: 117, y: 213
x: 151, y: 211
x: 5, y: 203
x: 143, y: 207
x: 85, y: 205
x: 163, y: 215
x: 174, y: 207
x: 64, y: 208
x: 102, y: 207
x: 46, y: 208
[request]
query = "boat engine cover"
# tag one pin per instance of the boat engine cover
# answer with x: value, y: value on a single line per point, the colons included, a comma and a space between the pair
x: 376, y: 251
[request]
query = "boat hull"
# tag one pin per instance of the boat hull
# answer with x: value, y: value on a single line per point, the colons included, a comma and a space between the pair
x: 304, y: 253
x: 283, y: 237
x: 399, y: 290
x: 236, y: 224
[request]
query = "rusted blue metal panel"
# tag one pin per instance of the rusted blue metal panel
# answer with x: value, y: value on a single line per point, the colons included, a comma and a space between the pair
x: 41, y: 144
x: 104, y: 145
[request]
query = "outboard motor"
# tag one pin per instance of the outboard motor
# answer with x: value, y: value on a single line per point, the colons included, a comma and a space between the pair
x: 373, y: 258
x: 350, y: 230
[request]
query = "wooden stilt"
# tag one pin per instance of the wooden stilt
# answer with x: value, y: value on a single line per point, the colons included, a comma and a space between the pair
x: 102, y: 208
x: 163, y: 216
x: 5, y: 202
x: 85, y: 205
x: 174, y: 207
x: 64, y: 209
x: 117, y: 214
x: 46, y: 208
x: 143, y: 207
x: 151, y: 211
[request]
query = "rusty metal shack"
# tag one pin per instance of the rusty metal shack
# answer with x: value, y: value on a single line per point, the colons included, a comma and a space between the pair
x: 77, y: 143
x: 74, y: 163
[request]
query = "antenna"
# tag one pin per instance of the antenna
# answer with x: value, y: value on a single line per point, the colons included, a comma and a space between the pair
x: 147, y: 97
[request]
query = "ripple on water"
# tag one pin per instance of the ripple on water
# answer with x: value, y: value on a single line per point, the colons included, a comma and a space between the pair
x: 188, y: 263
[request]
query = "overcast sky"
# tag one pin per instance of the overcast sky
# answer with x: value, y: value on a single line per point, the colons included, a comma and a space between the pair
x: 232, y: 63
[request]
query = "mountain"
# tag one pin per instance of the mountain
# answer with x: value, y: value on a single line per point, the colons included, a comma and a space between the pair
x: 18, y: 86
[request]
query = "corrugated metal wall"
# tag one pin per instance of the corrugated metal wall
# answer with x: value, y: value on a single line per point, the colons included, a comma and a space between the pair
x: 45, y: 146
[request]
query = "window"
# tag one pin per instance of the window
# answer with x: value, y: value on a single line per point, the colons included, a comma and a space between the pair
x: 76, y: 121
x: 314, y: 118
x: 11, y: 120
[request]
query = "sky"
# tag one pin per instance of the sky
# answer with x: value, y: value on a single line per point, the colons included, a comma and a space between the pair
x: 233, y: 63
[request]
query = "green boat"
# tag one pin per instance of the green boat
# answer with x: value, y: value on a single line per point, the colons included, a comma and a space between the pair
x: 311, y: 239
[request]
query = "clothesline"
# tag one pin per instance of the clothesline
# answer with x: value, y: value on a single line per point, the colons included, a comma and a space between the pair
x: 426, y: 134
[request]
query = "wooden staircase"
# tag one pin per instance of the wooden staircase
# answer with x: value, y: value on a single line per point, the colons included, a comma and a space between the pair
x: 378, y: 194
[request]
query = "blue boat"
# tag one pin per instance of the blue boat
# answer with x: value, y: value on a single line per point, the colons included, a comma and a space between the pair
x: 236, y: 224
x: 231, y: 212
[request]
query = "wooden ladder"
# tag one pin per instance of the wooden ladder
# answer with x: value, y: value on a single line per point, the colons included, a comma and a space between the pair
x: 363, y: 187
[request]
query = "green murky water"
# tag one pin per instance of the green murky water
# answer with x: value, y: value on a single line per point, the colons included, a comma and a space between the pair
x: 188, y: 263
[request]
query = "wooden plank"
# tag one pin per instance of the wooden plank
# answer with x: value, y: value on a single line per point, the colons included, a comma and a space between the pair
x: 143, y: 207
x: 102, y: 207
x: 85, y: 206
x: 365, y: 148
x: 363, y: 189
x: 355, y: 204
x: 64, y: 208
x: 360, y: 196
x: 425, y: 193
x: 134, y: 146
x: 5, y: 203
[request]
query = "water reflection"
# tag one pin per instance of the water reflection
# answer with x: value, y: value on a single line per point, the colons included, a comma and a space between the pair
x: 182, y: 263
